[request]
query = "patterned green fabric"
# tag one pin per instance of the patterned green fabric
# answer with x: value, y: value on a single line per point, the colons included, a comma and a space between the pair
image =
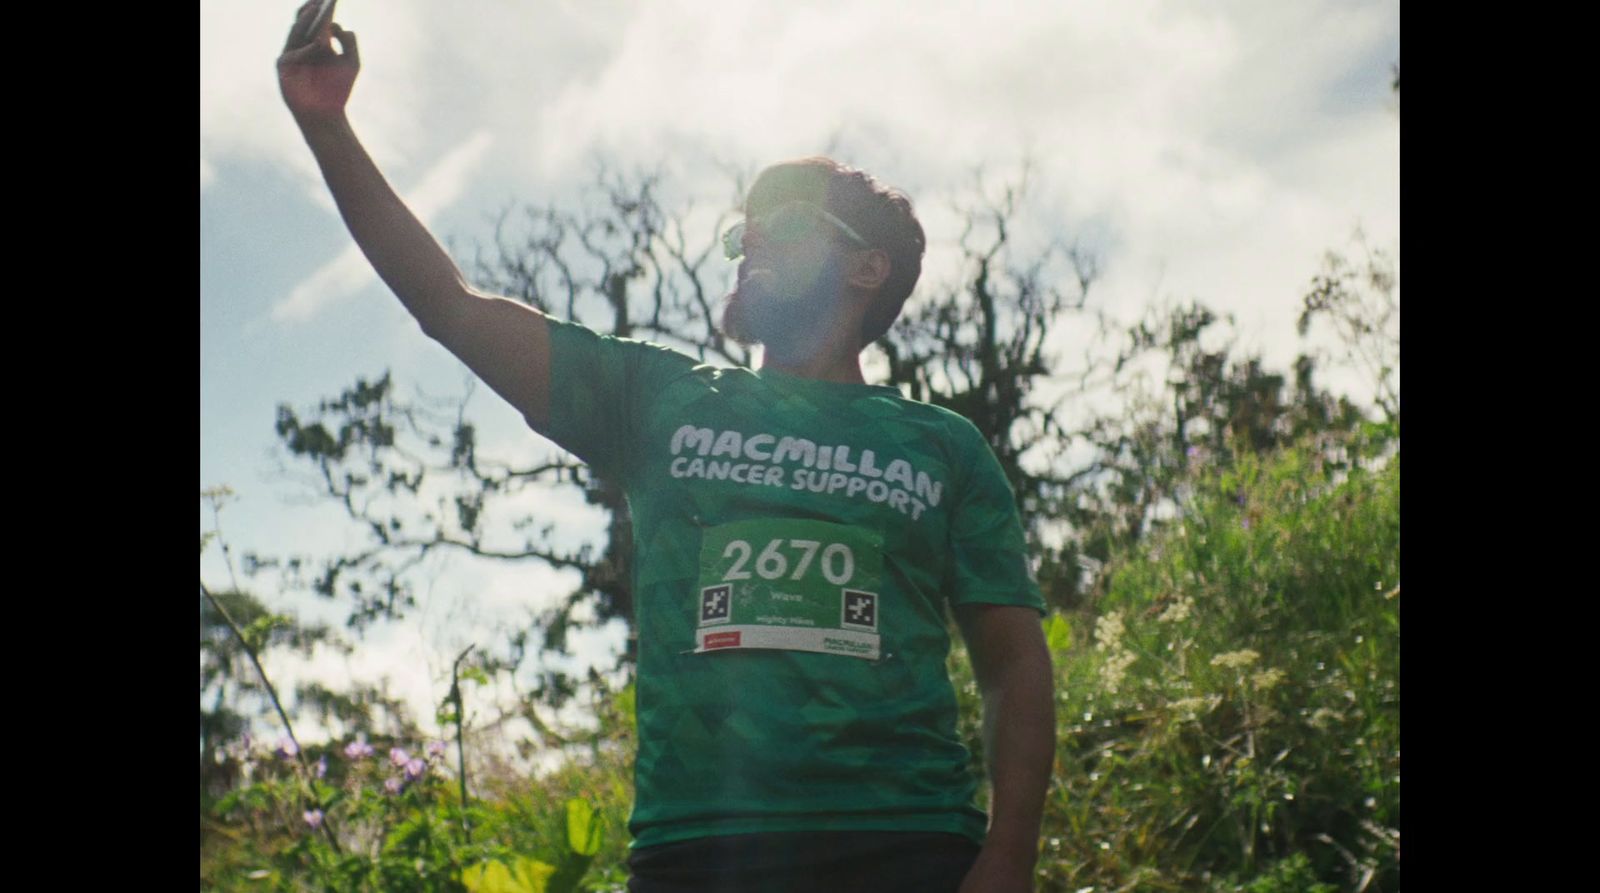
x: 857, y: 729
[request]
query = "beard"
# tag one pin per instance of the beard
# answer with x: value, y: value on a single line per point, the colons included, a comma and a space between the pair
x: 789, y: 319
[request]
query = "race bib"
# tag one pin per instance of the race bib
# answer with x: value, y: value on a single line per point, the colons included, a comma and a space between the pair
x: 790, y: 584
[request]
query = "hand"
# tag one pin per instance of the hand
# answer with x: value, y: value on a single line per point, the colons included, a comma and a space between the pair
x: 314, y: 79
x: 993, y: 873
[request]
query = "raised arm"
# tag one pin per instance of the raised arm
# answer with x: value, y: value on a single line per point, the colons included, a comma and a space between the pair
x: 505, y: 343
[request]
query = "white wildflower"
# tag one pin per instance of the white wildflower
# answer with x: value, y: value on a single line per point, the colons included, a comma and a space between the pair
x: 1266, y: 679
x: 1178, y: 611
x: 1236, y: 659
x: 1115, y: 668
x: 1108, y: 630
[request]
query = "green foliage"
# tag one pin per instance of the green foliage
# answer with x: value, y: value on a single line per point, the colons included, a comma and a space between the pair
x: 1291, y: 875
x: 573, y: 809
x: 1209, y: 405
x: 1235, y: 712
x: 523, y: 875
x: 386, y: 823
x: 1058, y: 635
x: 583, y: 828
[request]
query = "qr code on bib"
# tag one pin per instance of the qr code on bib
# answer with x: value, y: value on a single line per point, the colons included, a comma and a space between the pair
x: 715, y: 604
x: 860, y: 610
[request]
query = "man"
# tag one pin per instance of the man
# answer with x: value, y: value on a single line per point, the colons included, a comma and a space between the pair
x: 799, y: 534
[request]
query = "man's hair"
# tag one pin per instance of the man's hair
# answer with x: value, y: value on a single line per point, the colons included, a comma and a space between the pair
x: 883, y: 216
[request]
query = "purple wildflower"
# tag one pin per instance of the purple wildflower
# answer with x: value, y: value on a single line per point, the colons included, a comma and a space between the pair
x: 313, y: 818
x: 398, y: 756
x: 287, y: 748
x: 1193, y: 451
x: 355, y: 750
x: 414, y: 770
x: 393, y: 785
x: 435, y: 749
x: 322, y: 767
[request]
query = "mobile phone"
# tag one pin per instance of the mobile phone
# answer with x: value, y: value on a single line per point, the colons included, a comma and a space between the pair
x: 299, y: 37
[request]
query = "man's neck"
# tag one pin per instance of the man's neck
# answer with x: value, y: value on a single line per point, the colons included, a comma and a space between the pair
x: 828, y: 355
x: 821, y: 367
x: 831, y: 352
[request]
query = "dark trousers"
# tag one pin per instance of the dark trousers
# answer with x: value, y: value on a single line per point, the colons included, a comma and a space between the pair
x: 816, y: 861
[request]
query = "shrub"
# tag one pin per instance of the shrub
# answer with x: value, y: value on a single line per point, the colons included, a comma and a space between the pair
x: 386, y: 819
x: 1228, y: 715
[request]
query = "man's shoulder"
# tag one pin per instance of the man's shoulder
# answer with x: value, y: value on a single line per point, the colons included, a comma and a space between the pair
x: 941, y: 421
x: 659, y: 359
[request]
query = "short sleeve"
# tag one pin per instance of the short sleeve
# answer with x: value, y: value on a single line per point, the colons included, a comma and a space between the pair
x: 601, y: 389
x: 989, y: 555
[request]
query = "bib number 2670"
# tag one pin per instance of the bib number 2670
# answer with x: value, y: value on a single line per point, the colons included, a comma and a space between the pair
x: 791, y: 559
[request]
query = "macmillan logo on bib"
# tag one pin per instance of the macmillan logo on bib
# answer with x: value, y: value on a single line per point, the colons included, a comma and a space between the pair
x: 766, y: 460
x: 851, y: 647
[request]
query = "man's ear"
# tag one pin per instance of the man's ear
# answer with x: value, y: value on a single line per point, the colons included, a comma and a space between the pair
x: 869, y: 269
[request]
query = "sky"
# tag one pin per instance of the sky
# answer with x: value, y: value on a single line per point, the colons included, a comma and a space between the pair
x: 1204, y: 151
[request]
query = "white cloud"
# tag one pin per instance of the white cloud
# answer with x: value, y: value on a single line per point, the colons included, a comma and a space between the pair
x: 448, y: 178
x: 954, y: 84
x: 340, y: 277
x: 350, y: 272
x: 1174, y: 126
x: 1200, y: 138
x: 208, y: 173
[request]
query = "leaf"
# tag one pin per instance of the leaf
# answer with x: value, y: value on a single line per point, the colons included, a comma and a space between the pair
x: 528, y: 876
x: 583, y: 828
x: 490, y: 877
x: 228, y: 803
x: 532, y: 875
x: 1058, y: 634
x: 259, y: 631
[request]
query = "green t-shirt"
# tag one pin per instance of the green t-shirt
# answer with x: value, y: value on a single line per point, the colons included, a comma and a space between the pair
x: 796, y: 542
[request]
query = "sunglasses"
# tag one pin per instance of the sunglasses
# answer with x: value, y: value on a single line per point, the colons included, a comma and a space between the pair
x: 789, y: 222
